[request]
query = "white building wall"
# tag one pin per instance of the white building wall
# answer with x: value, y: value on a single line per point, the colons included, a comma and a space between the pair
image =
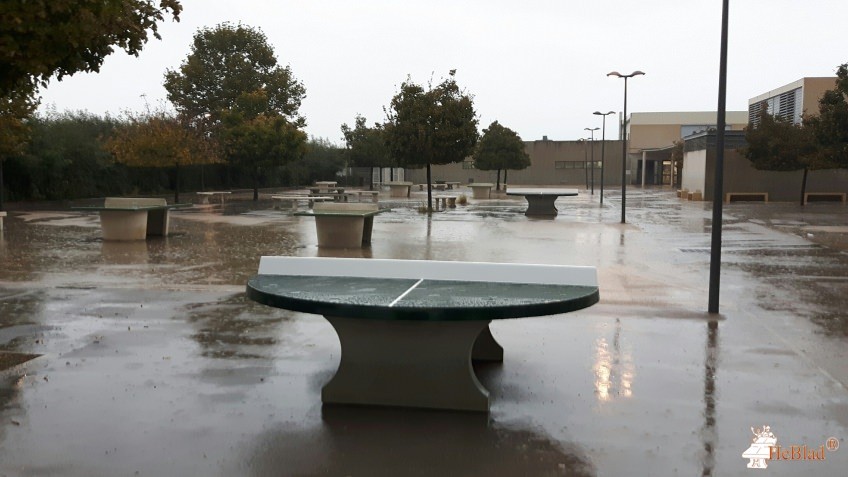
x: 694, y: 170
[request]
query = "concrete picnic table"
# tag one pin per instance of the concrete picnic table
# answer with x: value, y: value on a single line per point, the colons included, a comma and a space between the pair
x: 481, y: 190
x: 409, y: 329
x: 129, y: 218
x: 206, y: 195
x: 343, y: 225
x: 540, y: 201
x: 398, y: 189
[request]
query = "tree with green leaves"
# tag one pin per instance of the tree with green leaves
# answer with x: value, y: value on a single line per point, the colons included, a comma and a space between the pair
x: 776, y: 144
x: 160, y: 139
x: 41, y: 39
x: 260, y: 142
x: 366, y: 146
x: 500, y: 148
x: 433, y: 126
x: 15, y: 108
x: 226, y: 62
x: 830, y: 126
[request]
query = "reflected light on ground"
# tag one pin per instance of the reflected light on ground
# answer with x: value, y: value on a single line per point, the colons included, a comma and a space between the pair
x: 613, y: 369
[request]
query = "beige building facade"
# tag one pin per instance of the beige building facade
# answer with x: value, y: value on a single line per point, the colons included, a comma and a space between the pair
x: 652, y: 136
x: 552, y: 163
x: 791, y: 101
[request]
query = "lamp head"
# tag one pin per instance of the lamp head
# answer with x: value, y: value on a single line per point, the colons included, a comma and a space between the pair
x: 614, y: 73
x: 637, y: 73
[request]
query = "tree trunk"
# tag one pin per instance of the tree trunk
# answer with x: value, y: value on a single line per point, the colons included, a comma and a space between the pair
x: 498, y: 182
x: 804, y: 185
x: 256, y: 184
x: 505, y: 183
x: 177, y: 183
x: 429, y: 191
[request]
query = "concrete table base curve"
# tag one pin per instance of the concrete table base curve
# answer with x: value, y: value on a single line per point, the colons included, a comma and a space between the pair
x: 123, y: 224
x: 541, y: 201
x: 391, y: 363
x: 340, y: 232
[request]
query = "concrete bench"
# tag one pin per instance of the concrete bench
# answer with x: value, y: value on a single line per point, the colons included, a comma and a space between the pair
x: 133, y: 218
x: 410, y: 339
x: 452, y: 185
x: 374, y: 195
x: 695, y: 195
x: 819, y: 197
x: 343, y: 225
x: 294, y: 200
x: 2, y: 214
x: 683, y: 193
x: 481, y: 190
x: 746, y: 196
x: 206, y: 195
x: 445, y: 200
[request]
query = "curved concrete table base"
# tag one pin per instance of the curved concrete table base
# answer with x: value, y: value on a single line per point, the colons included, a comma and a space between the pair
x: 392, y: 363
x: 123, y: 224
x: 341, y: 232
x: 540, y: 202
x: 541, y: 205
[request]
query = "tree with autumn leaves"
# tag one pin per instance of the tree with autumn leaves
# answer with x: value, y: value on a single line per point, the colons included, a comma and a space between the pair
x: 160, y: 139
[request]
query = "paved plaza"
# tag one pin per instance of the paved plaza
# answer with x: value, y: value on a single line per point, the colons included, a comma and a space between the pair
x: 151, y: 361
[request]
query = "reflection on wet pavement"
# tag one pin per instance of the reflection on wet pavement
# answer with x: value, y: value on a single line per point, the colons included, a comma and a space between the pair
x: 151, y: 352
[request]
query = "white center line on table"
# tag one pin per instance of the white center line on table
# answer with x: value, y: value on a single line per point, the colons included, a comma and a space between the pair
x: 405, y: 293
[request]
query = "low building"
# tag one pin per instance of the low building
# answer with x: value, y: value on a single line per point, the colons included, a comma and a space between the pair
x: 699, y: 162
x: 552, y: 163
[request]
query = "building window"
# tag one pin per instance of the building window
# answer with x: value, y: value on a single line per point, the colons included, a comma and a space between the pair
x: 468, y: 164
x: 569, y: 165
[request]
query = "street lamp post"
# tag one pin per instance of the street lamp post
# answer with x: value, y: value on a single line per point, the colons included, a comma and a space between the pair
x: 624, y: 140
x: 603, y: 144
x: 592, y: 155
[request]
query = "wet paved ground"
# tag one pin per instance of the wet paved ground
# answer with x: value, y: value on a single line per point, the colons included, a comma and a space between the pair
x: 154, y: 363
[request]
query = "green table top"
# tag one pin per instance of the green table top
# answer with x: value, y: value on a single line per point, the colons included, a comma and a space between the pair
x: 407, y: 299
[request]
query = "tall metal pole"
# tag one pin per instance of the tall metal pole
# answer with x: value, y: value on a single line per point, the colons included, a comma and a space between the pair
x: 718, y: 186
x: 624, y: 155
x: 624, y: 140
x: 603, y: 144
x: 592, y: 155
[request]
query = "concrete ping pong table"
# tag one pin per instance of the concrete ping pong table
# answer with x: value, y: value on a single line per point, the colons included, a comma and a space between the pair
x: 409, y: 329
x: 540, y: 201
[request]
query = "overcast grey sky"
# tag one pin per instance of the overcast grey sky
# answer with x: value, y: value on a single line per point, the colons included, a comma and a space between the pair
x: 537, y: 66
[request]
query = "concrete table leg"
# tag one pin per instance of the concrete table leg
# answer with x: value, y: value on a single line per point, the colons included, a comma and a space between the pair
x: 123, y: 224
x: 486, y: 348
x: 541, y: 205
x: 157, y: 222
x: 407, y: 363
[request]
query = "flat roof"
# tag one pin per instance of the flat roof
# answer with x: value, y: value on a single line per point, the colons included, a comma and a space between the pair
x: 789, y: 87
x: 686, y: 118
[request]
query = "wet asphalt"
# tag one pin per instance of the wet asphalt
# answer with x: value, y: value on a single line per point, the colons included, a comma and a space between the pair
x: 151, y: 361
